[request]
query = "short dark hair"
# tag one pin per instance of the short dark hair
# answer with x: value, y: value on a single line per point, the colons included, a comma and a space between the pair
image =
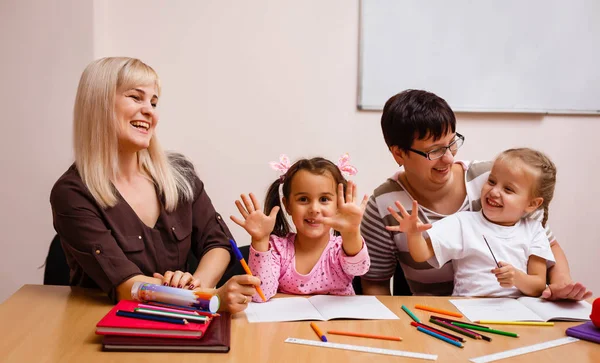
x: 415, y: 114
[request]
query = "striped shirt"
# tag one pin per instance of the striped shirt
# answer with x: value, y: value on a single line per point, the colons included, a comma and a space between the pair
x: 387, y: 249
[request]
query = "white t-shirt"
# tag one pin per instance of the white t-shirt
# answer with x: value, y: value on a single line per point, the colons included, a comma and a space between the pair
x: 459, y: 237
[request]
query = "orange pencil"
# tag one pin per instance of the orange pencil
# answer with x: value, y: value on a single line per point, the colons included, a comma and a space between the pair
x: 240, y: 257
x: 439, y: 311
x: 362, y: 335
x: 318, y: 331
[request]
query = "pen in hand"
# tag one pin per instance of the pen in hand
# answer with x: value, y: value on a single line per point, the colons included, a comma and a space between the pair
x: 239, y: 256
x: 488, y: 246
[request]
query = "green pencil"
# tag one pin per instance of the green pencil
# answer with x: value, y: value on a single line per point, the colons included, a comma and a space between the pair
x: 459, y: 330
x: 412, y: 316
x: 487, y: 330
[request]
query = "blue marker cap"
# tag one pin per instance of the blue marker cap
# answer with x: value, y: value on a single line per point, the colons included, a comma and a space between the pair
x: 236, y: 250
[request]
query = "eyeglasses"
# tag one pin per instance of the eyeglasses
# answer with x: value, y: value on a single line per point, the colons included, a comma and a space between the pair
x: 441, y: 151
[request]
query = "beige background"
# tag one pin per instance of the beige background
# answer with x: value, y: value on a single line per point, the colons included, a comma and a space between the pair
x: 242, y: 82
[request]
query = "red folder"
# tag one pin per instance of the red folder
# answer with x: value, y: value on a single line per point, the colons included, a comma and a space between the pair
x: 216, y: 340
x: 111, y: 324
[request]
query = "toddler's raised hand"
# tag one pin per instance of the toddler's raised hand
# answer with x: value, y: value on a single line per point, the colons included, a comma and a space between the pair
x: 349, y: 215
x: 258, y: 225
x: 409, y: 223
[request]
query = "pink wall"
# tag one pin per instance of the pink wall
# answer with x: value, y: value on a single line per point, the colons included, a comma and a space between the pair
x: 242, y: 83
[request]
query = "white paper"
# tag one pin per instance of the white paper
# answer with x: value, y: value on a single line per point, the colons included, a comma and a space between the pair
x: 565, y: 310
x: 504, y: 309
x: 282, y: 309
x: 351, y: 307
x: 319, y: 307
x: 523, y: 309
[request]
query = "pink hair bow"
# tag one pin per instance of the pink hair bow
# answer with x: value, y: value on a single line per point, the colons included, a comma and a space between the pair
x: 343, y: 164
x: 283, y: 165
x: 345, y: 167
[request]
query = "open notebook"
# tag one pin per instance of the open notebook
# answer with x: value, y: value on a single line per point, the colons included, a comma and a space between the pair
x: 319, y: 307
x: 523, y: 309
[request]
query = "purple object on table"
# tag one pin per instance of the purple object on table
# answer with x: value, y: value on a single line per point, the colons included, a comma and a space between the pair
x: 586, y: 331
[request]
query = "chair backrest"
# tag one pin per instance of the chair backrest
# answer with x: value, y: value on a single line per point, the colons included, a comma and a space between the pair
x: 399, y: 285
x: 236, y: 267
x: 56, y: 269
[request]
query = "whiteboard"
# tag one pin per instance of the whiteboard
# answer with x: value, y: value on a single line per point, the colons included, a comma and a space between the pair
x: 537, y: 56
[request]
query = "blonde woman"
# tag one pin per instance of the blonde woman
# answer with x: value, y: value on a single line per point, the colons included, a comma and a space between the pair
x: 126, y: 211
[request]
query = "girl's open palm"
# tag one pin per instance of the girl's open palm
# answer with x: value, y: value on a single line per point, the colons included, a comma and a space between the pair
x: 258, y: 225
x: 349, y: 214
x: 409, y: 223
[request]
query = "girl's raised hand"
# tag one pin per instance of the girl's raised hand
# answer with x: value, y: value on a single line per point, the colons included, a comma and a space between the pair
x: 349, y: 215
x: 258, y: 225
x: 409, y: 223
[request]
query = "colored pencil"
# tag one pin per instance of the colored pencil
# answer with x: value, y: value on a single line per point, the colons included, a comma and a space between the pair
x: 163, y: 319
x: 456, y: 329
x: 182, y: 308
x: 168, y: 314
x: 486, y: 242
x: 472, y: 327
x: 436, y: 335
x: 318, y: 331
x: 178, y: 311
x: 240, y: 257
x: 439, y: 311
x: 456, y: 321
x: 533, y: 323
x: 363, y: 335
x: 493, y: 331
x: 446, y: 334
x: 410, y: 313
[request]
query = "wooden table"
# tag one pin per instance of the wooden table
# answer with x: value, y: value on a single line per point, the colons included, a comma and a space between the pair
x: 57, y: 324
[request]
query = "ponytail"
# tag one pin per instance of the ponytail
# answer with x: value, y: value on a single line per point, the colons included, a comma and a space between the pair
x: 545, y: 216
x: 272, y: 200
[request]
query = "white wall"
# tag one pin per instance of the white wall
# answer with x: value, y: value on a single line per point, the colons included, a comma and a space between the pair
x: 44, y: 45
x: 246, y: 81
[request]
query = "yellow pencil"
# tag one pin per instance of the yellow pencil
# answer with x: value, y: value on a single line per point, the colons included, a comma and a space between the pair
x: 498, y: 322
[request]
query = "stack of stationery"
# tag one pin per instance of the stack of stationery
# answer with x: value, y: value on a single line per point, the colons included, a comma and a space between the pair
x: 135, y: 326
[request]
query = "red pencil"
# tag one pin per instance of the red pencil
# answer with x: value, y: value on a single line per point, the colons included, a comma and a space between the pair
x: 457, y: 321
x: 463, y: 331
x: 447, y: 335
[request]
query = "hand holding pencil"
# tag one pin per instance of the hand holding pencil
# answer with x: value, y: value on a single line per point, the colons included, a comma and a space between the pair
x: 240, y: 257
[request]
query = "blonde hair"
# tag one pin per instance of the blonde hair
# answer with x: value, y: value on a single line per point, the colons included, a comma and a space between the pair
x: 544, y: 172
x: 95, y: 134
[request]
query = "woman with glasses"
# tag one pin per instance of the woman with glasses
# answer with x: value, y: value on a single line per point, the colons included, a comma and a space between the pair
x: 419, y: 129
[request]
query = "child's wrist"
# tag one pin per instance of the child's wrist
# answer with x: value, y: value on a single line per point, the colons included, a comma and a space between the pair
x: 260, y: 245
x: 352, y: 234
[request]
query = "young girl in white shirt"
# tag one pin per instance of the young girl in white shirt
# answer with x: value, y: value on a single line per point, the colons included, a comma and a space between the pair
x: 496, y: 251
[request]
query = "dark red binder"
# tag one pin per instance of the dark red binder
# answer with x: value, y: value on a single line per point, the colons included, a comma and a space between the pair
x: 215, y: 340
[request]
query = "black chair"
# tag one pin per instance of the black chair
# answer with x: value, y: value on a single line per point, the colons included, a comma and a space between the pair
x: 399, y: 285
x: 56, y: 270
